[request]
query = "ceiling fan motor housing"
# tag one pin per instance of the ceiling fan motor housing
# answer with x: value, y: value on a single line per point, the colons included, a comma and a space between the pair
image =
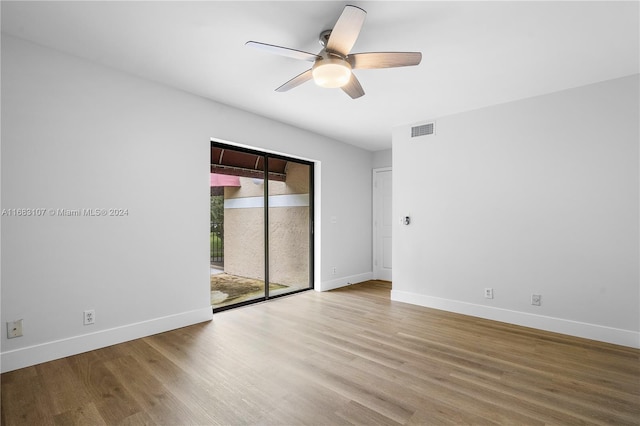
x: 323, y: 39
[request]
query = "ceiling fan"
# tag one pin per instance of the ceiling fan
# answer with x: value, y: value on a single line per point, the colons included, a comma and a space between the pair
x: 333, y: 65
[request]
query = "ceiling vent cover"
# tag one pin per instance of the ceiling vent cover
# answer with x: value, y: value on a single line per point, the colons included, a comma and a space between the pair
x: 423, y: 130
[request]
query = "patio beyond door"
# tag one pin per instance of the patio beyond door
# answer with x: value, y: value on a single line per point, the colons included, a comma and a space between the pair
x: 267, y: 226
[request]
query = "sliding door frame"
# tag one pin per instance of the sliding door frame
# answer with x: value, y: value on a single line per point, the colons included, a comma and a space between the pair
x: 311, y: 233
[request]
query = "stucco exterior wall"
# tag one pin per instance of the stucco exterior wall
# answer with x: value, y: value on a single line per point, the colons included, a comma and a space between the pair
x: 289, y: 246
x: 288, y: 230
x: 244, y: 242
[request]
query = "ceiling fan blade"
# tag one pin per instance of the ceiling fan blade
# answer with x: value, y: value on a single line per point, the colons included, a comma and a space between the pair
x: 283, y: 51
x: 384, y: 59
x: 353, y: 88
x: 346, y: 31
x: 296, y: 81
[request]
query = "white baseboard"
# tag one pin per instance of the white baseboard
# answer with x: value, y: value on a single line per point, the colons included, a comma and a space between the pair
x: 558, y: 325
x: 36, y: 354
x: 345, y: 281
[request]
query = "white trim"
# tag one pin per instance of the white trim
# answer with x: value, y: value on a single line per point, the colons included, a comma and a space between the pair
x: 345, y: 281
x: 317, y: 225
x: 558, y: 325
x: 286, y: 200
x: 374, y: 217
x: 36, y: 354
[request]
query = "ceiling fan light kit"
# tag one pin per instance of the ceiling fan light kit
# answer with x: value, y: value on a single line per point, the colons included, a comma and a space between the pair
x: 331, y: 72
x: 332, y: 67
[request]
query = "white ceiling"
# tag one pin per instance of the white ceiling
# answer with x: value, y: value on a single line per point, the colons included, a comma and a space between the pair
x: 474, y: 53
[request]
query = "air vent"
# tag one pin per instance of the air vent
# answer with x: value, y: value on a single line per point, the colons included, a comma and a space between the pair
x: 423, y: 130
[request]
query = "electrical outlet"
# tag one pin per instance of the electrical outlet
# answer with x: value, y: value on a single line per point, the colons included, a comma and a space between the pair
x: 89, y: 317
x: 14, y: 329
x: 536, y: 299
x: 334, y: 270
x: 488, y: 293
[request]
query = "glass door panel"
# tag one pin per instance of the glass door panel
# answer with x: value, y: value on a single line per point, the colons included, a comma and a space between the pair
x: 240, y: 277
x: 289, y: 208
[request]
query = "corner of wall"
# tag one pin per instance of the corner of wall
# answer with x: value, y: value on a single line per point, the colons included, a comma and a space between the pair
x: 557, y: 325
x: 49, y: 351
x: 345, y: 281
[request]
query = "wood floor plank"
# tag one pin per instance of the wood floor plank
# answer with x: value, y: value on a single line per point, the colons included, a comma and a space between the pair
x: 151, y: 395
x: 358, y: 414
x: 65, y: 388
x: 25, y: 401
x: 345, y: 357
x: 85, y: 415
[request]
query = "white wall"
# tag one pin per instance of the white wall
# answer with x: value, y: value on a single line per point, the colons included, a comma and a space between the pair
x: 77, y: 135
x: 535, y: 196
x: 382, y: 159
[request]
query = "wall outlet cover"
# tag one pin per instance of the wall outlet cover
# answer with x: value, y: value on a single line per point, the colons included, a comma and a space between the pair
x: 14, y: 329
x: 536, y: 299
x: 89, y: 317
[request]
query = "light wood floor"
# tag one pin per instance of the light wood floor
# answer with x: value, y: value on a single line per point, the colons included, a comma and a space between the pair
x: 348, y: 356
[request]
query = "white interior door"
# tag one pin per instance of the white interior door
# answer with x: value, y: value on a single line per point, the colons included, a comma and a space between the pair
x: 382, y: 223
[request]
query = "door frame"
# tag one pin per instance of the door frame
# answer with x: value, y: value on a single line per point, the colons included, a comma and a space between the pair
x: 374, y: 217
x: 313, y: 168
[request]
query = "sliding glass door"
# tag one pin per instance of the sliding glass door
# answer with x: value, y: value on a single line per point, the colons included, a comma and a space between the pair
x: 266, y: 230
